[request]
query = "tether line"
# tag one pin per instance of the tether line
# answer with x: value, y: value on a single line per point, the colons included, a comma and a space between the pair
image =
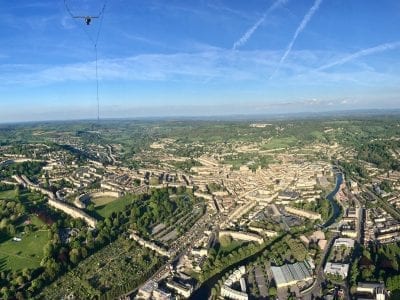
x: 94, y: 43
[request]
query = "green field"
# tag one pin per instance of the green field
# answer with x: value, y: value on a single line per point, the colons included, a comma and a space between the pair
x: 117, y: 205
x: 318, y: 135
x: 25, y: 254
x: 283, y: 142
x: 233, y: 245
x: 10, y: 194
x: 99, y: 201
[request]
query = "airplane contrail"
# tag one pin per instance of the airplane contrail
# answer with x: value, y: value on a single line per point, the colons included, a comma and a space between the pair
x: 247, y: 35
x: 361, y: 53
x: 299, y: 29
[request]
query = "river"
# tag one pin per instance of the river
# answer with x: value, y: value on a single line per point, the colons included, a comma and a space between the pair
x: 334, y: 204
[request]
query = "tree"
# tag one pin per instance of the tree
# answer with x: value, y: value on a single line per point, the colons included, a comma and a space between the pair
x: 17, y: 193
x: 74, y: 256
x: 28, y: 228
x: 90, y: 207
x: 354, y: 272
x: 19, y: 296
x: 52, y: 268
x: 6, y: 292
x: 272, y: 291
x: 20, y: 280
x: 84, y: 252
x: 11, y: 229
x: 90, y: 242
x: 26, y: 273
x: 225, y: 240
x: 48, y: 250
x: 4, y: 223
x: 37, y: 284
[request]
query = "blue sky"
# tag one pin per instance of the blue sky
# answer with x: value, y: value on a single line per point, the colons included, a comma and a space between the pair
x: 200, y: 57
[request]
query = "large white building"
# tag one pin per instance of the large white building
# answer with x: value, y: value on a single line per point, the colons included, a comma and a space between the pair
x: 348, y: 243
x: 337, y: 269
x: 150, y: 291
x: 376, y: 290
x: 241, y: 235
x: 291, y: 274
x: 230, y: 293
x: 183, y: 290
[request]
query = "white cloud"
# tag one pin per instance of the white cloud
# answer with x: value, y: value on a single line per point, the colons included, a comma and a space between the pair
x: 223, y: 65
x: 156, y: 67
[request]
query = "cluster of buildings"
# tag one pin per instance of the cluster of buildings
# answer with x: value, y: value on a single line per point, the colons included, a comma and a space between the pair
x: 371, y: 291
x: 394, y: 196
x: 350, y: 224
x: 337, y: 269
x: 318, y: 237
x: 84, y: 180
x: 241, y: 235
x: 349, y: 198
x: 60, y: 204
x: 237, y: 277
x: 380, y: 226
x: 394, y: 200
x: 338, y: 264
x: 151, y: 291
x: 235, y: 199
x: 183, y: 289
x: 303, y: 213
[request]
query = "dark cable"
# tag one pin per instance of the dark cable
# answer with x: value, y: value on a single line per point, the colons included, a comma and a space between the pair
x: 94, y: 42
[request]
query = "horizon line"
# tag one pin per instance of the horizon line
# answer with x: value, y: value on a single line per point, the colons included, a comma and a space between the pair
x: 226, y: 117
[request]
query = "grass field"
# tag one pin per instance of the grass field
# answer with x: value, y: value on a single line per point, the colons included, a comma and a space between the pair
x: 25, y: 254
x: 7, y: 194
x: 117, y: 205
x: 36, y: 222
x: 276, y: 143
x: 28, y: 252
x: 318, y: 135
x: 233, y: 245
x: 99, y: 201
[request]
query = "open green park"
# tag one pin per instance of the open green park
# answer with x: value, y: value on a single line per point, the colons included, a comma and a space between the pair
x: 103, y: 200
x: 105, y: 206
x: 10, y: 194
x: 27, y: 252
x: 280, y: 142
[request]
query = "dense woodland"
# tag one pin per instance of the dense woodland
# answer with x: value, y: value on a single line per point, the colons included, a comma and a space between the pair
x: 377, y: 263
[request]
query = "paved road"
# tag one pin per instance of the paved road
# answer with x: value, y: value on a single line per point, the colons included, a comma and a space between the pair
x: 320, y: 276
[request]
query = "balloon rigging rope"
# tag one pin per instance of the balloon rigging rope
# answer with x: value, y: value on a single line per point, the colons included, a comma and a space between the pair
x: 94, y: 43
